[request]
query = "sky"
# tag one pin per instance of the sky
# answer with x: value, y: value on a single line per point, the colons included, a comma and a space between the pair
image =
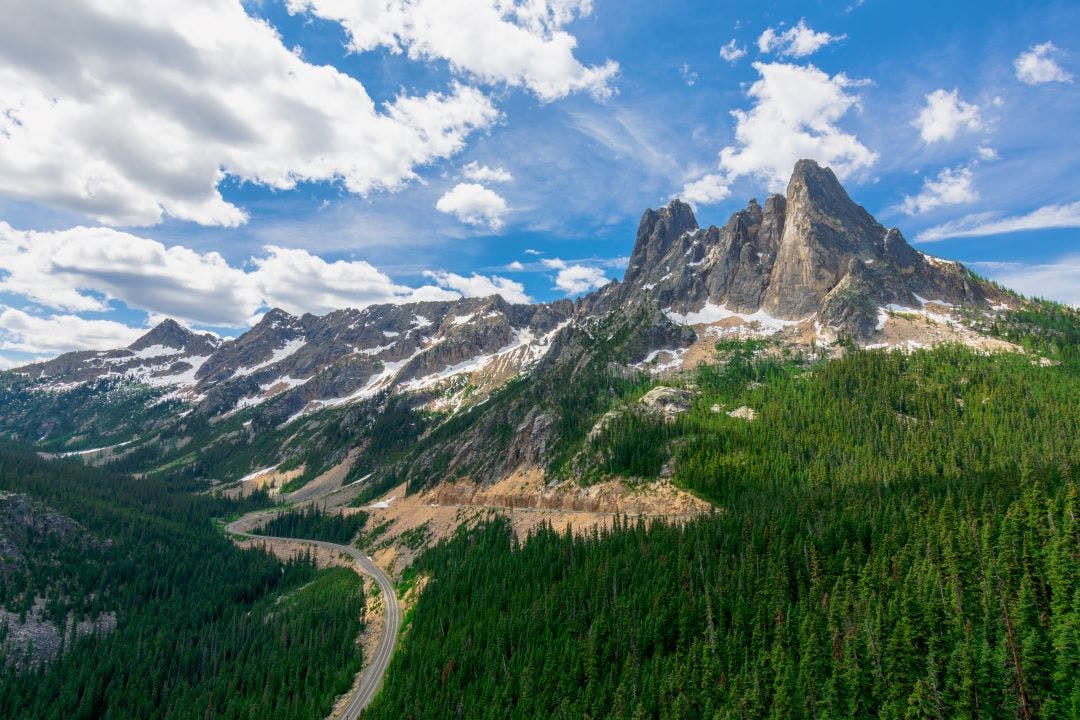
x: 207, y: 160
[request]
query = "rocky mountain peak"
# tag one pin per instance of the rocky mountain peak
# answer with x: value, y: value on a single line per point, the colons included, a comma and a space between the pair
x: 812, y: 253
x: 277, y: 316
x: 171, y: 334
x: 657, y: 231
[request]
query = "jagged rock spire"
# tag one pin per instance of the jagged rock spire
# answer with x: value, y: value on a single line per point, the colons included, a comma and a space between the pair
x: 788, y: 258
x: 656, y: 232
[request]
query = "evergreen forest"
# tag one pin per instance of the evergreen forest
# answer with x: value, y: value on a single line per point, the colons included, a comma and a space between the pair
x: 203, y: 629
x: 895, y: 536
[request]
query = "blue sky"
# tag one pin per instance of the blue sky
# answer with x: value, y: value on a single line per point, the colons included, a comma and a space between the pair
x: 208, y: 159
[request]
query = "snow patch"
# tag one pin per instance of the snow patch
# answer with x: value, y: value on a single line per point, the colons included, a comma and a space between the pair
x: 74, y: 453
x: 280, y: 354
x: 154, y: 351
x: 184, y: 378
x: 354, y: 482
x: 374, y: 350
x: 257, y: 473
x: 932, y: 316
x: 261, y: 397
x: 713, y: 313
x: 462, y: 319
x: 674, y: 361
x: 940, y: 262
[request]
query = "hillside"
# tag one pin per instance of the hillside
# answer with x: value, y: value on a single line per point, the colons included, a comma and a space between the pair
x: 895, y: 536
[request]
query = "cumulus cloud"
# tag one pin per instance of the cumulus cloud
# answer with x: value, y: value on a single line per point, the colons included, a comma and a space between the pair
x: 47, y: 336
x: 952, y: 186
x: 797, y: 41
x: 1055, y: 280
x: 84, y: 269
x: 482, y: 173
x: 575, y: 279
x: 731, y: 52
x: 474, y: 204
x: 946, y: 114
x: 298, y: 281
x: 981, y: 224
x: 480, y: 286
x: 795, y: 114
x: 710, y: 188
x: 520, y: 44
x: 135, y: 110
x: 1036, y: 65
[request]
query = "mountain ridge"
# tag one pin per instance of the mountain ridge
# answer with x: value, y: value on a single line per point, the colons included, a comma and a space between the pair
x: 809, y: 268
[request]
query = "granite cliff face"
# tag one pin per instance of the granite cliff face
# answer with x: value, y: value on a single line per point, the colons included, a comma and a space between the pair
x: 813, y: 254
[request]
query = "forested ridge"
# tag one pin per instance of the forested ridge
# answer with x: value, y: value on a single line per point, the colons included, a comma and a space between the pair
x: 204, y: 629
x: 896, y: 536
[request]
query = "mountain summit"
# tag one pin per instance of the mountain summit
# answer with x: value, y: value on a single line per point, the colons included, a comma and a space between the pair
x: 171, y: 335
x: 812, y: 254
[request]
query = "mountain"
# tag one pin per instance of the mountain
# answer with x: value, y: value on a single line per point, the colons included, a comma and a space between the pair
x: 813, y: 256
x: 807, y: 270
x: 823, y: 521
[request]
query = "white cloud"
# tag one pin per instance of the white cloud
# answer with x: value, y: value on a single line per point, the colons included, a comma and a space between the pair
x: 580, y: 278
x: 481, y: 286
x: 1058, y: 280
x: 1036, y: 65
x: 83, y: 269
x: 945, y: 115
x: 80, y: 269
x: 515, y: 265
x: 688, y: 75
x: 482, y: 173
x: 710, y: 188
x: 575, y: 279
x: 138, y: 109
x: 731, y: 52
x: 25, y: 333
x: 795, y: 115
x: 953, y: 186
x: 521, y: 44
x: 474, y: 204
x: 297, y: 281
x: 980, y: 224
x: 797, y: 41
x: 988, y: 153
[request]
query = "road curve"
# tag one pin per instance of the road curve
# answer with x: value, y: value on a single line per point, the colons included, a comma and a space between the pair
x: 372, y: 675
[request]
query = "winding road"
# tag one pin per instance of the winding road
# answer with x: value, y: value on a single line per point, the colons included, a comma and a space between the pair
x: 371, y: 676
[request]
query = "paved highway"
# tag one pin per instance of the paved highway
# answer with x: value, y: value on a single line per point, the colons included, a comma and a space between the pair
x: 372, y: 675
